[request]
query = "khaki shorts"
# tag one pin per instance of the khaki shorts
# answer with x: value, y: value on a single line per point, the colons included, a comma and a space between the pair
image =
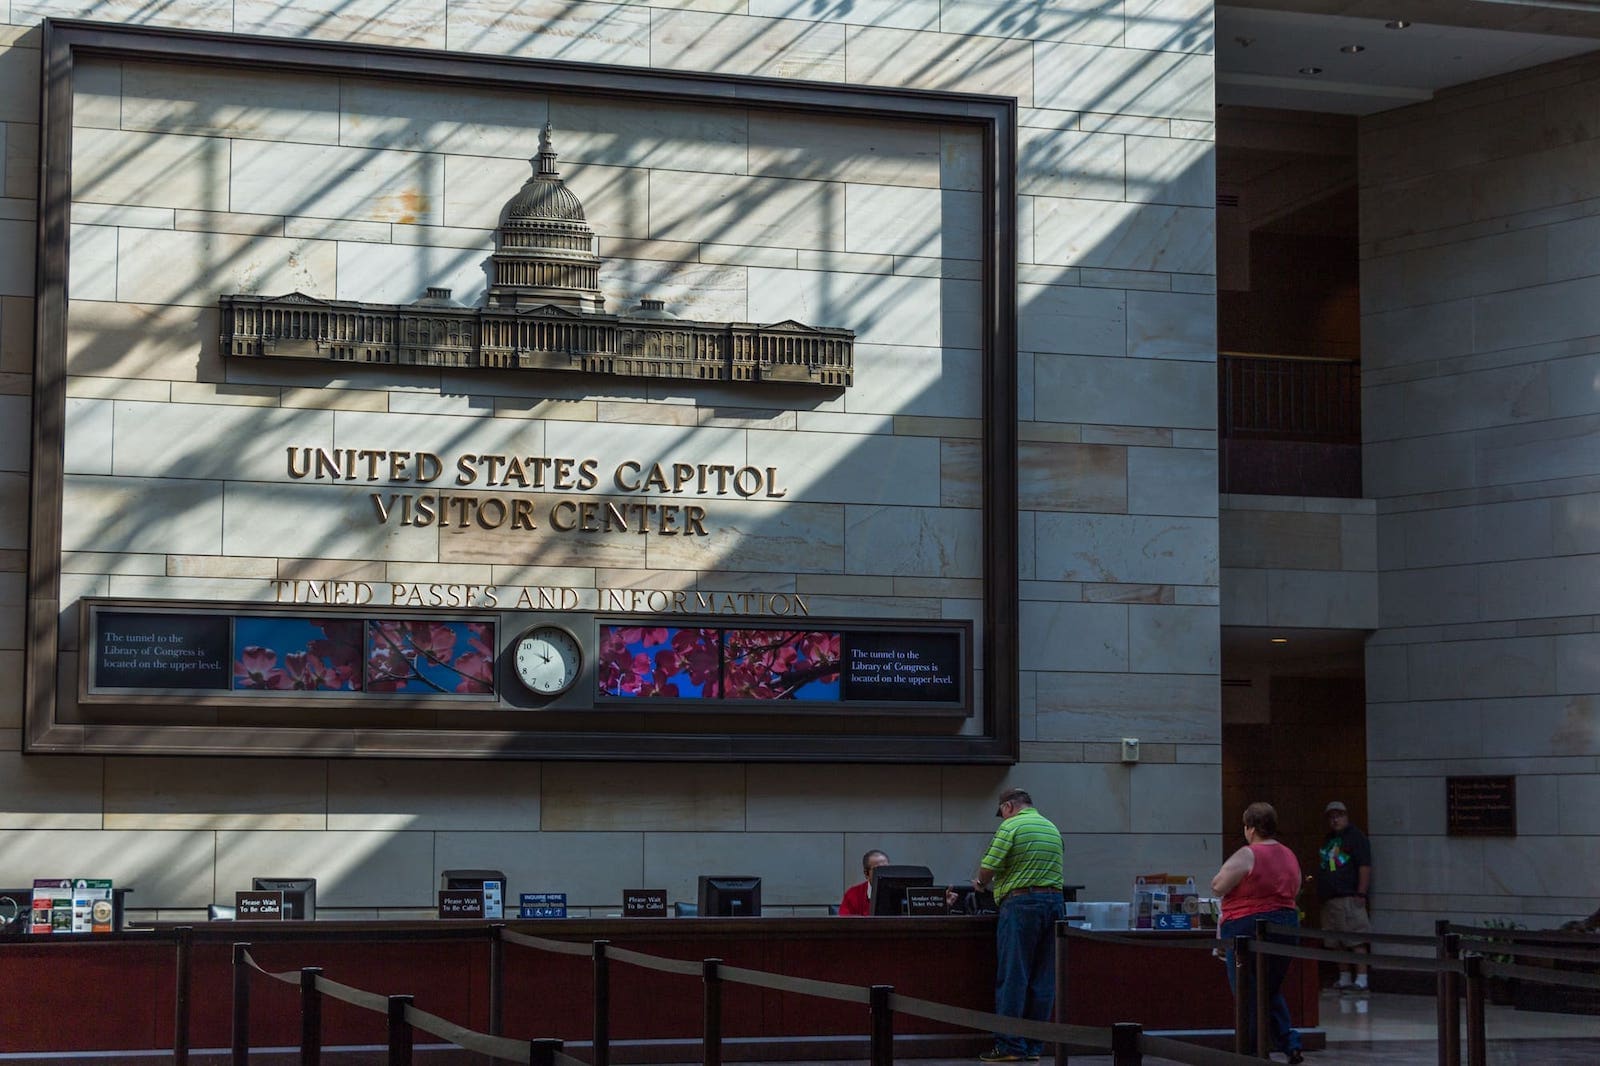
x: 1346, y: 914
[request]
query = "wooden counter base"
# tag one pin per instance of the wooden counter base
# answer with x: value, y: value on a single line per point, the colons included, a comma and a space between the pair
x: 86, y: 993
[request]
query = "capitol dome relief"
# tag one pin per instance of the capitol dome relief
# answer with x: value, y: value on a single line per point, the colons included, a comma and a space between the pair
x: 543, y: 311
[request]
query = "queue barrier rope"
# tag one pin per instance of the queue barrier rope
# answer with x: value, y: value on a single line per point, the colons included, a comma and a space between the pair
x: 1414, y: 963
x: 1192, y: 1054
x: 1543, y: 975
x: 539, y: 943
x: 290, y: 978
x: 1414, y: 939
x: 499, y: 1047
x: 1490, y: 947
x: 681, y: 967
x: 356, y: 997
x: 1080, y: 1036
x: 1549, y: 938
x: 804, y: 986
x: 1049, y: 1032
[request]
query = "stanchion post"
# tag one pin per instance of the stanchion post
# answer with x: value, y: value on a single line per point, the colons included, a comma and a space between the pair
x: 602, y: 1004
x: 241, y: 1005
x: 1062, y: 940
x: 713, y: 1018
x: 1477, y: 1038
x: 1262, y: 993
x: 310, y: 1017
x: 399, y: 1031
x: 1242, y: 965
x: 882, y: 1027
x: 497, y: 979
x: 1125, y: 1044
x: 1450, y: 1004
x: 542, y: 1052
x: 1441, y: 928
x: 180, y: 1005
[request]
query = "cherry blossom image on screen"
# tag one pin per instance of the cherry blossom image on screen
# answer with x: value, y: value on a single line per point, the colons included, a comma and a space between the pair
x: 430, y: 657
x: 780, y: 664
x: 659, y: 662
x: 275, y: 654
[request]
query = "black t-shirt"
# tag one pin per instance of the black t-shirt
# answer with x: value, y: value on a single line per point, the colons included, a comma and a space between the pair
x: 1339, y: 862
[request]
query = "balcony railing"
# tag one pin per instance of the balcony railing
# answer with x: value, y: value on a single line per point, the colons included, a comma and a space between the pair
x: 1289, y: 426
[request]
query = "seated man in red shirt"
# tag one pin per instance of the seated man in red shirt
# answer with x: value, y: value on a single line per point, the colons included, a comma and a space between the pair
x: 857, y: 902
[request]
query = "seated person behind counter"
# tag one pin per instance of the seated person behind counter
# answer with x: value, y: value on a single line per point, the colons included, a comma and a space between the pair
x: 857, y: 901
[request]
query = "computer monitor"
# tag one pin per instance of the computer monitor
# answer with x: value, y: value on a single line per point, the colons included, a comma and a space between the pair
x: 730, y: 897
x: 889, y: 884
x: 299, y: 895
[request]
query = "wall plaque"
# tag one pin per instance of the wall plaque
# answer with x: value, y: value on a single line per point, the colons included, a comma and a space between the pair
x: 1481, y: 806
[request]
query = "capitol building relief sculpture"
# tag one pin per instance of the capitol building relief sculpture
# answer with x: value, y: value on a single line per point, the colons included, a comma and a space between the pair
x: 543, y: 311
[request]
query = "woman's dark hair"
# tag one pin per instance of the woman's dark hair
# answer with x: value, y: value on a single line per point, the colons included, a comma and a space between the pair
x: 867, y: 858
x: 1262, y: 818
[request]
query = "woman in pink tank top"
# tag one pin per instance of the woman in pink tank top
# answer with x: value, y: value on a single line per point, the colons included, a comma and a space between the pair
x: 1260, y: 881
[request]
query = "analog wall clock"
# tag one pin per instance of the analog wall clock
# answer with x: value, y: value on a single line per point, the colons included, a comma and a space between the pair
x: 548, y: 660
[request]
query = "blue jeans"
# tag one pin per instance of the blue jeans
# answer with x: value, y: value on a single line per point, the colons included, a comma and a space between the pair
x: 1025, y: 977
x: 1284, y: 1036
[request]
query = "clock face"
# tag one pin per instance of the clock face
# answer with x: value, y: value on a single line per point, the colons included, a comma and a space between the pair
x: 548, y: 660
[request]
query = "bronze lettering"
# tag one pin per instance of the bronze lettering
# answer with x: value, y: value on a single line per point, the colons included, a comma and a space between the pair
x: 616, y: 521
x: 681, y: 474
x: 522, y: 513
x: 772, y: 483
x: 738, y: 481
x: 656, y: 479
x: 499, y: 506
x: 630, y: 465
x: 304, y: 467
x: 563, y: 479
x: 383, y: 510
x: 515, y: 472
x: 588, y: 510
x: 564, y: 507
x: 429, y: 467
x: 694, y: 521
x: 588, y: 474
x: 466, y: 470
x: 329, y: 463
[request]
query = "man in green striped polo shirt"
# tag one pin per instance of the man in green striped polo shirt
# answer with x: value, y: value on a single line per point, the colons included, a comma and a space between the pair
x: 1023, y: 868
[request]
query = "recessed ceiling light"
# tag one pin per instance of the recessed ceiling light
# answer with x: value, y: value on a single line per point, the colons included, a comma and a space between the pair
x: 1280, y: 640
x: 1396, y: 24
x: 1311, y: 70
x: 1353, y: 49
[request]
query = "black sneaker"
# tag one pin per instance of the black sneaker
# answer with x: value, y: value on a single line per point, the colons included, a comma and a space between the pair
x: 1295, y: 1057
x: 1000, y: 1054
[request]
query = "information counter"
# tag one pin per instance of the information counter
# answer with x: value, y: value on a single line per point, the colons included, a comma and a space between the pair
x: 118, y: 991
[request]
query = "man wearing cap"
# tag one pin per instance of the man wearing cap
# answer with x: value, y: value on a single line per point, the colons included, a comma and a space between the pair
x: 1023, y: 869
x: 1344, y: 874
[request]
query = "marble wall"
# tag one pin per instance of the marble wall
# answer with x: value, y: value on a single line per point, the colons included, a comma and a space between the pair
x: 1481, y: 412
x: 189, y: 183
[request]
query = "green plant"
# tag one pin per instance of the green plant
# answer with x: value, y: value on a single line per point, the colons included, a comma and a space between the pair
x: 1502, y: 925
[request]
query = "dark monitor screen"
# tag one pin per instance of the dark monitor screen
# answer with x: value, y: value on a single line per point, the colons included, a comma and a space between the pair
x: 299, y: 895
x: 468, y: 879
x: 889, y: 884
x: 730, y: 897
